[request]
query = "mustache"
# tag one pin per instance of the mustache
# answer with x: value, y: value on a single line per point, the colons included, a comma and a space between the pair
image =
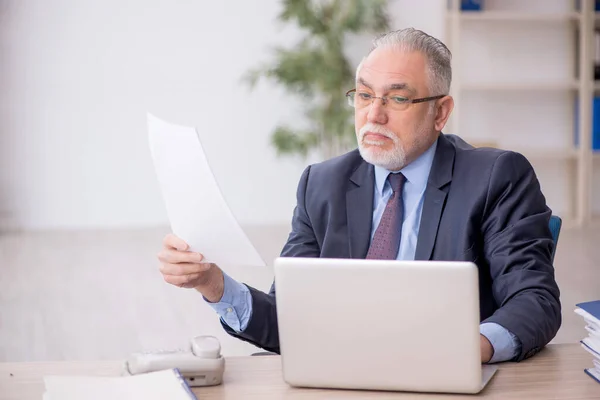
x: 376, y: 128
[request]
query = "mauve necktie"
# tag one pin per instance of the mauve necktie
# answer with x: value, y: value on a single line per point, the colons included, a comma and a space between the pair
x: 386, y: 240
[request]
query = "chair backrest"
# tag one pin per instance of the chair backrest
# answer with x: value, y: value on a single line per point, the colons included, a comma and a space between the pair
x: 555, y: 225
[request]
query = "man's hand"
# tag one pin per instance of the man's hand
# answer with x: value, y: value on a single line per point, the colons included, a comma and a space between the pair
x: 487, y: 351
x: 185, y: 269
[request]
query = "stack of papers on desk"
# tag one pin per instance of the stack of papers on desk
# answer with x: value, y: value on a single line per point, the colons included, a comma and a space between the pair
x: 160, y: 385
x: 590, y: 311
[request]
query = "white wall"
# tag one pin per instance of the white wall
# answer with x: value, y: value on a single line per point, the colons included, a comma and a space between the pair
x: 81, y: 76
x: 77, y: 78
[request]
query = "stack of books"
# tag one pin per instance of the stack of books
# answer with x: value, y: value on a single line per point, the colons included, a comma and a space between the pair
x: 590, y: 311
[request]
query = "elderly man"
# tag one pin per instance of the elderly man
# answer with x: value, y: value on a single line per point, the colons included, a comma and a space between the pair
x: 409, y: 192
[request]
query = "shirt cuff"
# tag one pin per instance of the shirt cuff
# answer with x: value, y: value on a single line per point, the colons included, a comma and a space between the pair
x: 235, y: 306
x: 506, y: 346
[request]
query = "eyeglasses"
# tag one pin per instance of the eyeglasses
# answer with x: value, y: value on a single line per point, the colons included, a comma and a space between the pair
x: 396, y: 103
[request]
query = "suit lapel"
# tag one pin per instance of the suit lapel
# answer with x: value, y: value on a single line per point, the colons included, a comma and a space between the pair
x: 430, y: 220
x: 359, y: 209
x: 435, y: 198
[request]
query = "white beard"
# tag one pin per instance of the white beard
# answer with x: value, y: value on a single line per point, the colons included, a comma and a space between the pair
x: 393, y: 159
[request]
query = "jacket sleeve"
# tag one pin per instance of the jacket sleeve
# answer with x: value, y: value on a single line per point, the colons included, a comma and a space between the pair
x: 262, y: 328
x: 518, y: 247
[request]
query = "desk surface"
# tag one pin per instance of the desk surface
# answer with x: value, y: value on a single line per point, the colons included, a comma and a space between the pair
x: 556, y: 372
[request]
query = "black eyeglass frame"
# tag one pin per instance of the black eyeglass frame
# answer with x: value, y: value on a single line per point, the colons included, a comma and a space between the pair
x: 384, y: 99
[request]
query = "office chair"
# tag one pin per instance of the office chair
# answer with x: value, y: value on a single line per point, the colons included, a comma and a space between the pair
x: 555, y: 225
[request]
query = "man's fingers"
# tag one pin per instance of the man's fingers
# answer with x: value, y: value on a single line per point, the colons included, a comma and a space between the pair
x: 174, y: 242
x: 182, y: 269
x: 172, y: 256
x: 182, y: 280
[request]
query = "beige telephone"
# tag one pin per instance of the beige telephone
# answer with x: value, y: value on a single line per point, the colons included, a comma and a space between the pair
x: 201, y: 365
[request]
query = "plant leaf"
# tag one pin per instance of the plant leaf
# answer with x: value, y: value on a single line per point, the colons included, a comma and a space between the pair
x: 316, y: 69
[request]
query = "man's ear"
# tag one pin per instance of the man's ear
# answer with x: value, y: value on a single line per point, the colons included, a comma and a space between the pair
x: 444, y: 108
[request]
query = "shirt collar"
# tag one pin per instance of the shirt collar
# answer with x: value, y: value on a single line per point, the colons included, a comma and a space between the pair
x: 417, y: 172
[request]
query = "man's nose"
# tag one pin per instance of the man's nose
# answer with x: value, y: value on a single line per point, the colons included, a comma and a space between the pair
x: 377, y: 112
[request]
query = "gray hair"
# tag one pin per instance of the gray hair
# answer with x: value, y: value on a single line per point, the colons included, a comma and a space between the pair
x: 437, y: 55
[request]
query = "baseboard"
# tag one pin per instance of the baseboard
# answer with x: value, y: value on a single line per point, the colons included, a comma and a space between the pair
x: 8, y: 223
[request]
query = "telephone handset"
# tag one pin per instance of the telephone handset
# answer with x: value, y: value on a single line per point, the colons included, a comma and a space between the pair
x: 200, y: 365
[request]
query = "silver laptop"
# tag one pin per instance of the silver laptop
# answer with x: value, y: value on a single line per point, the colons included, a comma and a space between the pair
x: 380, y: 325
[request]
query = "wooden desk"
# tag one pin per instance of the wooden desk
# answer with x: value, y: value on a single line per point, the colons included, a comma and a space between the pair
x: 556, y: 372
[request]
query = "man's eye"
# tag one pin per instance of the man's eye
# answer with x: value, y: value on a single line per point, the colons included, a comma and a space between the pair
x: 399, y: 100
x: 364, y: 96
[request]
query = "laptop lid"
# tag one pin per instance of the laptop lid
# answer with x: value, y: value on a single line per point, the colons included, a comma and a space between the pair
x: 380, y: 325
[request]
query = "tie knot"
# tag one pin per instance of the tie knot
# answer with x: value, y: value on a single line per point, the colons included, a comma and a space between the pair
x: 396, y: 181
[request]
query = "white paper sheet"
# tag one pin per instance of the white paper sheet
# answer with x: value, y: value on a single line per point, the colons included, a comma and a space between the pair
x: 159, y: 385
x: 195, y: 205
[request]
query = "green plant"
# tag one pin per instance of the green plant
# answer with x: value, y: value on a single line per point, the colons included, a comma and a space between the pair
x: 317, y: 70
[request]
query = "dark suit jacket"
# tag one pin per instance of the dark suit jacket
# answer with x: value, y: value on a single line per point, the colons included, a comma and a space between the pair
x: 480, y: 205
